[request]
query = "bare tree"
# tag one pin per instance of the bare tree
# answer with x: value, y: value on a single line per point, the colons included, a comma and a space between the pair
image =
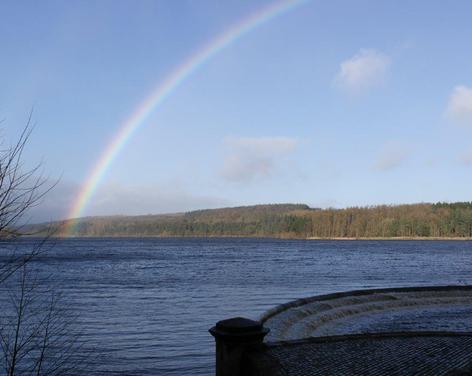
x: 36, y: 333
x: 20, y: 190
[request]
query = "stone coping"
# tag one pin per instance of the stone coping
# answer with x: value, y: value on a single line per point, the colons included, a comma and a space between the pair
x: 400, y: 353
x: 365, y: 336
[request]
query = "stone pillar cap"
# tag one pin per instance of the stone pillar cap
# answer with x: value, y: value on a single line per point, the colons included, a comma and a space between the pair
x: 239, y: 327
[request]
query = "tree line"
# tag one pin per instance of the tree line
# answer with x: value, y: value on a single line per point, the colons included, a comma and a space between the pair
x: 439, y: 220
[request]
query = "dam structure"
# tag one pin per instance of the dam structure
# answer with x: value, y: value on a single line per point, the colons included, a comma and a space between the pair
x: 395, y: 331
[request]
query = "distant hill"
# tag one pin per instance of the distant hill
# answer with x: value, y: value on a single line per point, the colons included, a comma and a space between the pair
x: 440, y: 220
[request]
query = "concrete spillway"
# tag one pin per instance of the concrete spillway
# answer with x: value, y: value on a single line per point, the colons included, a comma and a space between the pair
x: 446, y: 308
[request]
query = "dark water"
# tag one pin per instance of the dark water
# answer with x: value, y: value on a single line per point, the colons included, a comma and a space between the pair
x: 145, y: 305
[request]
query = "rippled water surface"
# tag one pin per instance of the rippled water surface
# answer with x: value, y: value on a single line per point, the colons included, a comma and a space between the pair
x: 145, y: 305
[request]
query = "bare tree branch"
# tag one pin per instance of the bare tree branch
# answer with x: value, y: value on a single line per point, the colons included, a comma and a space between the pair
x: 37, y: 336
x: 20, y: 190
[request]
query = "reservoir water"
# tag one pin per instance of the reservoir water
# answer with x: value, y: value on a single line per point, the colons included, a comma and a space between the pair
x: 144, y: 306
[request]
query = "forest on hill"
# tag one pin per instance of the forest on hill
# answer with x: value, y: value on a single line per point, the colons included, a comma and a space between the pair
x: 440, y: 220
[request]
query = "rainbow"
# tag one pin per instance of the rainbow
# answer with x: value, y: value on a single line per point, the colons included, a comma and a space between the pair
x: 163, y: 90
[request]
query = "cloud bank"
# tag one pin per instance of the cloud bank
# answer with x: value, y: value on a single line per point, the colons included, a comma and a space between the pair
x: 459, y: 107
x: 116, y: 199
x: 391, y: 157
x: 365, y: 70
x: 255, y: 158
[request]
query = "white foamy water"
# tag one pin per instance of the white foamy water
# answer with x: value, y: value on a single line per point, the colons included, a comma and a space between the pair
x: 372, y: 311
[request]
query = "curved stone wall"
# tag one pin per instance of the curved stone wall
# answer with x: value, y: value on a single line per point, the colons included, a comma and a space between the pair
x: 446, y: 308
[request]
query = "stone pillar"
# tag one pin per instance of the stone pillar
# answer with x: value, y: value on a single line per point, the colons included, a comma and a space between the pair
x: 232, y: 337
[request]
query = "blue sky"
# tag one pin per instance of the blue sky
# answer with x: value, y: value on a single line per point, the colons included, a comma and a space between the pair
x: 336, y: 103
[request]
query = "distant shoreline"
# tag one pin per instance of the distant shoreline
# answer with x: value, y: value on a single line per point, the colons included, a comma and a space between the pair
x: 395, y: 238
x: 399, y: 238
x: 424, y: 221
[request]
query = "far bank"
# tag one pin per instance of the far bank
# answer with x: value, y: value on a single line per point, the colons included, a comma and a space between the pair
x: 442, y: 221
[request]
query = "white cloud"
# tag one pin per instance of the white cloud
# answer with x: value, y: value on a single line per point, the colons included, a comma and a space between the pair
x: 467, y: 159
x: 56, y: 204
x: 116, y: 198
x: 459, y: 107
x: 391, y: 157
x: 365, y: 70
x: 255, y: 158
